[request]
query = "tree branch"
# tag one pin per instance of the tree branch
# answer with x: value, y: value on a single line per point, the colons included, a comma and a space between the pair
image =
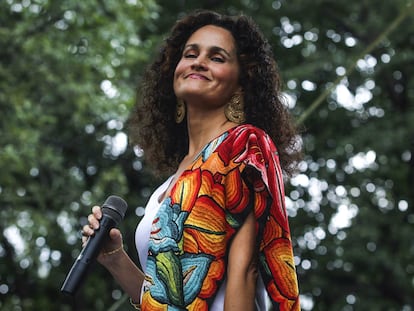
x: 319, y: 100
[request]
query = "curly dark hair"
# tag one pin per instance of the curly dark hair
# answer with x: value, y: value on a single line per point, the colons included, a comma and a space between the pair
x: 153, y: 126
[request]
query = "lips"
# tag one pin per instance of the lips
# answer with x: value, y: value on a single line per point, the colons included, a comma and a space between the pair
x: 196, y: 76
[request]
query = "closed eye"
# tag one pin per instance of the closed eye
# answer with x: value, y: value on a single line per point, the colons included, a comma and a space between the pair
x: 217, y: 59
x: 190, y: 55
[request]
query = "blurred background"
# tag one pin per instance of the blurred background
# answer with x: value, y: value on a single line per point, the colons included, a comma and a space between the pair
x: 69, y: 72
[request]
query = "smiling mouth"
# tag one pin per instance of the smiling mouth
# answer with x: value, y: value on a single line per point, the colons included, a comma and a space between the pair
x: 196, y: 76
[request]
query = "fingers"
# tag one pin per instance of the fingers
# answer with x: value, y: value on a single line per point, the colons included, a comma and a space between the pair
x: 86, y: 233
x: 93, y: 223
x: 115, y: 235
x: 97, y: 212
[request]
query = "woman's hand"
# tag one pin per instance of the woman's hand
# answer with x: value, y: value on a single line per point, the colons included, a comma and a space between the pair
x: 113, y: 257
x: 111, y: 247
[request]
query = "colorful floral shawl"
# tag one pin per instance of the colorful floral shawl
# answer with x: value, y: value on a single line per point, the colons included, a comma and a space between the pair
x: 235, y: 173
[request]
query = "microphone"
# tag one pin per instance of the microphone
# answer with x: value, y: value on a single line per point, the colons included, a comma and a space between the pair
x: 113, y: 211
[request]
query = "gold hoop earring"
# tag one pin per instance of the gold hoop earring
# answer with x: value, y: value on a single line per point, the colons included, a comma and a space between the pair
x: 179, y: 111
x: 234, y: 110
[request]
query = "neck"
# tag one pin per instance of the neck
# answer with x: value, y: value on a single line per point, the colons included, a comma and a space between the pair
x: 204, y: 129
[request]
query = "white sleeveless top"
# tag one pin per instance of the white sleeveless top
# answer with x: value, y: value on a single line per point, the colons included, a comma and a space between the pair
x: 142, y: 235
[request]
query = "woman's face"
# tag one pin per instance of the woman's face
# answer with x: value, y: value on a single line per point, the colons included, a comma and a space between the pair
x: 208, y: 71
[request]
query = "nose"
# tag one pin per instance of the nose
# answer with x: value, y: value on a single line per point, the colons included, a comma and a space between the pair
x: 198, y: 64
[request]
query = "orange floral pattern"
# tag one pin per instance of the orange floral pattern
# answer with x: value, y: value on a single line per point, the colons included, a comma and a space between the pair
x: 208, y: 204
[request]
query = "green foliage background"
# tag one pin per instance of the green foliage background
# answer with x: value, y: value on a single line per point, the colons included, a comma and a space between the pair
x: 68, y: 76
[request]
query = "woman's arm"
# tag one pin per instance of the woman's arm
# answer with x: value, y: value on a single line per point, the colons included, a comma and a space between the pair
x: 242, y: 268
x: 126, y: 274
x: 124, y: 271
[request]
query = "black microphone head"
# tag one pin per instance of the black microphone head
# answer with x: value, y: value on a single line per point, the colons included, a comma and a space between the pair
x: 114, y: 207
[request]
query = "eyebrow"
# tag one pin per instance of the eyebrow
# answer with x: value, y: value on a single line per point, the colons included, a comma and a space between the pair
x: 212, y: 48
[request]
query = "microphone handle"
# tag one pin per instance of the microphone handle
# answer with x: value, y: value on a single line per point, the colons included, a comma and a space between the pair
x: 87, y: 256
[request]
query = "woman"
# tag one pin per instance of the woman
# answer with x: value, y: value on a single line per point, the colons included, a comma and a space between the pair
x: 215, y: 235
